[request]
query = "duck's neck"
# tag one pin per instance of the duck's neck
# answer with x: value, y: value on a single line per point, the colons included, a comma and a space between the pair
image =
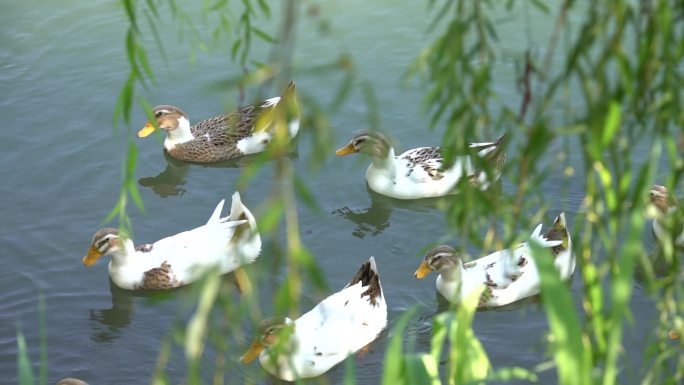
x: 452, y: 275
x: 122, y: 256
x: 180, y: 135
x: 384, y: 158
x: 450, y: 284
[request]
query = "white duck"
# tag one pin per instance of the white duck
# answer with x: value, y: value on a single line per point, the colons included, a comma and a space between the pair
x: 419, y: 172
x: 337, y: 327
x: 508, y: 275
x: 221, y: 245
x: 666, y: 207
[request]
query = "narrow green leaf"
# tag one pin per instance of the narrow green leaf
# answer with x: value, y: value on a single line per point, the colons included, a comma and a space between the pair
x: 308, y: 261
x: 24, y: 368
x: 612, y: 123
x: 272, y: 216
x: 305, y: 194
x: 540, y: 5
x: 468, y: 360
x: 265, y: 8
x: 144, y: 62
x: 130, y: 13
x: 568, y: 350
x: 152, y: 7
x: 235, y: 48
x: 393, y: 367
x: 421, y: 369
x: 343, y: 91
x: 349, y: 371
x: 263, y: 35
x: 197, y: 326
x: 124, y: 101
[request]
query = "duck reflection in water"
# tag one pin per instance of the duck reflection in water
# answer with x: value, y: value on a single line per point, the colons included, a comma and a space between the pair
x: 167, y: 183
x: 376, y: 218
x: 106, y: 324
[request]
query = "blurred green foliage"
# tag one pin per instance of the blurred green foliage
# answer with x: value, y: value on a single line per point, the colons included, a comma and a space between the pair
x: 623, y: 61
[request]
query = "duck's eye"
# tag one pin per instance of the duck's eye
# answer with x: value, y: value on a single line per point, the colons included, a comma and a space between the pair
x: 359, y: 141
x: 652, y: 194
x: 158, y: 114
x: 269, y: 331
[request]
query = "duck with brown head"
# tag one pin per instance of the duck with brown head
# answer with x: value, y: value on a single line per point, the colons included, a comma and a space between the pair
x: 246, y: 131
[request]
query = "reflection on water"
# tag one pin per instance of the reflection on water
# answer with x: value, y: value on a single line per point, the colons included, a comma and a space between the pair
x: 167, y: 183
x: 107, y: 324
x: 375, y: 219
x: 370, y: 221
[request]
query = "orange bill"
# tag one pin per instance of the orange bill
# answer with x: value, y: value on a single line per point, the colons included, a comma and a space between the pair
x: 253, y: 352
x: 346, y: 150
x: 423, y: 270
x: 93, y: 255
x: 146, y: 131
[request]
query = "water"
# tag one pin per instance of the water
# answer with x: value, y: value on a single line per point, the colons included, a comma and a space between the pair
x: 62, y: 65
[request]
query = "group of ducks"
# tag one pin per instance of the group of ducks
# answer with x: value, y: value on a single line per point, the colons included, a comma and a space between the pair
x: 351, y: 318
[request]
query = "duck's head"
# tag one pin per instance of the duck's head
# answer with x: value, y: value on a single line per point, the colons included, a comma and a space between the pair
x: 660, y: 198
x: 105, y: 242
x: 273, y: 332
x: 169, y: 118
x: 368, y: 142
x: 440, y: 258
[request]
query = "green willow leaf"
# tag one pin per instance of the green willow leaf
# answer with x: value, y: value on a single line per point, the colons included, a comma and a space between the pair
x: 570, y: 353
x: 24, y: 368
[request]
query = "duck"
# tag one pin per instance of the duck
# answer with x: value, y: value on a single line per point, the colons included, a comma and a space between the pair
x: 248, y: 130
x: 337, y: 327
x: 509, y: 275
x: 221, y: 246
x: 419, y: 172
x: 666, y: 208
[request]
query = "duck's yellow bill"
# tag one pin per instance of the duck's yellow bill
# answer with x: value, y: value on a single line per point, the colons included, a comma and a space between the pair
x: 253, y: 352
x: 146, y: 131
x: 346, y: 150
x: 423, y: 270
x: 93, y: 255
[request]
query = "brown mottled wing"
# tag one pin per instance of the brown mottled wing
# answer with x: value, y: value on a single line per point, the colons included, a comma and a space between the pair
x: 216, y: 138
x: 557, y: 234
x: 161, y: 277
x: 430, y: 159
x: 368, y: 278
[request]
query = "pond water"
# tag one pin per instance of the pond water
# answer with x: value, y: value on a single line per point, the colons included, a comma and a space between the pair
x: 62, y: 65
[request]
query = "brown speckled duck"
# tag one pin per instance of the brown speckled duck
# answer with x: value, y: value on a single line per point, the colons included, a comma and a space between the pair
x: 245, y: 131
x: 221, y: 245
x: 508, y: 275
